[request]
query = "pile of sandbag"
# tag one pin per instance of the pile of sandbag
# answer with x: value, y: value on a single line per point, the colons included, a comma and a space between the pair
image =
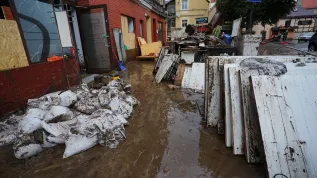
x: 80, y: 118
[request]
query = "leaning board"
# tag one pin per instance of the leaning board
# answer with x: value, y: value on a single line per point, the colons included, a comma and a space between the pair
x: 228, y: 125
x: 236, y: 111
x: 214, y: 72
x: 287, y: 109
x: 253, y: 141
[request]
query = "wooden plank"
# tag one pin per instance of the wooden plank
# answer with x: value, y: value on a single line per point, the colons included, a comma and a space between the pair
x: 287, y: 114
x: 165, y: 66
x: 197, y: 81
x: 186, y: 78
x: 213, y: 100
x: 253, y: 141
x: 150, y: 48
x: 214, y: 112
x: 180, y: 74
x: 236, y: 112
x: 254, y: 147
x: 228, y: 124
x: 146, y: 57
x: 11, y: 46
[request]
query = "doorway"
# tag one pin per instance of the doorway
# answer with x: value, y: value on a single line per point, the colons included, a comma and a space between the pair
x: 160, y: 31
x: 148, y: 30
x: 94, y: 28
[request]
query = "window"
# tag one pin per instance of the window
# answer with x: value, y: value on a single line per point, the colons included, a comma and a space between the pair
x: 287, y: 23
x: 184, y: 23
x: 39, y: 29
x: 305, y: 22
x: 184, y: 4
x: 131, y: 25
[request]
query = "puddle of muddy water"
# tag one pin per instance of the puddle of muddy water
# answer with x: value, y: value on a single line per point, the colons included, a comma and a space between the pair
x: 165, y: 139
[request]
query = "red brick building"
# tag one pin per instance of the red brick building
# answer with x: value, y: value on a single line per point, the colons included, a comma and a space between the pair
x: 90, y: 26
x: 142, y: 12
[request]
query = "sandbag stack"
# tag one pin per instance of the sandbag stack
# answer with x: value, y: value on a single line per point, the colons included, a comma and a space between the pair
x: 80, y: 118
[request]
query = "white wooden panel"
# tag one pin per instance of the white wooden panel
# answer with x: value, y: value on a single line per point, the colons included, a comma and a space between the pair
x: 63, y: 28
x: 253, y: 141
x: 287, y: 112
x: 236, y: 112
x: 197, y: 81
x: 228, y: 124
x: 186, y: 77
x: 213, y: 91
x: 188, y: 57
x: 166, y: 64
x: 253, y: 144
x: 78, y: 38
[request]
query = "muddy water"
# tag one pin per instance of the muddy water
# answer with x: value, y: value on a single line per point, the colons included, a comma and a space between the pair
x: 165, y: 139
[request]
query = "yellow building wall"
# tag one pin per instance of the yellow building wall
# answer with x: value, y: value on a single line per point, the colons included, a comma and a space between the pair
x: 11, y: 46
x: 196, y: 9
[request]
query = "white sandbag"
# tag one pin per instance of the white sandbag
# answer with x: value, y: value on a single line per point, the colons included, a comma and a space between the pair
x: 55, y: 129
x: 58, y: 111
x: 7, y: 139
x: 35, y: 113
x: 104, y: 99
x: 57, y: 140
x: 77, y: 144
x: 27, y: 151
x: 46, y: 143
x: 131, y: 100
x: 122, y: 119
x: 45, y: 101
x: 87, y: 105
x: 119, y: 106
x: 68, y: 98
x: 28, y: 125
x: 81, y: 91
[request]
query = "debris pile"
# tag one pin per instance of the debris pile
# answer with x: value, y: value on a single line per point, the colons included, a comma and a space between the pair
x: 80, y: 118
x: 266, y: 109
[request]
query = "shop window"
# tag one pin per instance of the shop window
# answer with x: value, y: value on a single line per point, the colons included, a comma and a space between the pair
x: 184, y: 4
x: 38, y: 28
x: 184, y: 23
x: 305, y: 22
x: 131, y: 25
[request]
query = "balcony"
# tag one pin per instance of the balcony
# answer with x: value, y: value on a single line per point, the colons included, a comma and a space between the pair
x: 154, y: 5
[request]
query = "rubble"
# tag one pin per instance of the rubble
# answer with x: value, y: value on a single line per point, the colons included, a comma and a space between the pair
x: 80, y: 118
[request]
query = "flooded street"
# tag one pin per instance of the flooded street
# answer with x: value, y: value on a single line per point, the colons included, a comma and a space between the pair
x: 165, y: 138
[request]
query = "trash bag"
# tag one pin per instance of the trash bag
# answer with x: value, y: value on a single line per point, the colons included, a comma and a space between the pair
x: 78, y: 143
x: 58, y: 114
x: 81, y: 91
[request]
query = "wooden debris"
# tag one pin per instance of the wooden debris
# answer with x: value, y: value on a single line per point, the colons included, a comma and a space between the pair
x: 287, y: 114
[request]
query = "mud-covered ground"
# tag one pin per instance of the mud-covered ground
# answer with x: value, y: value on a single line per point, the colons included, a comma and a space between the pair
x: 165, y: 138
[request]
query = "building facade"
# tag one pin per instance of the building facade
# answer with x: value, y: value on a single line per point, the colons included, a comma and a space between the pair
x: 36, y: 35
x: 299, y: 21
x: 187, y: 11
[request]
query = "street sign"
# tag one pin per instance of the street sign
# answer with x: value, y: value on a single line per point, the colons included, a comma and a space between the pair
x: 254, y: 0
x: 202, y: 20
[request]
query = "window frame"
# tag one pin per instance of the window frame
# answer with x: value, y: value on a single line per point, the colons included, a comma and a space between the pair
x: 186, y: 22
x: 182, y: 1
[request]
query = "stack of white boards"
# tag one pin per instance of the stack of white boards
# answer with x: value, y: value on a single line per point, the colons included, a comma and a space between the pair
x: 265, y: 118
x: 167, y: 67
